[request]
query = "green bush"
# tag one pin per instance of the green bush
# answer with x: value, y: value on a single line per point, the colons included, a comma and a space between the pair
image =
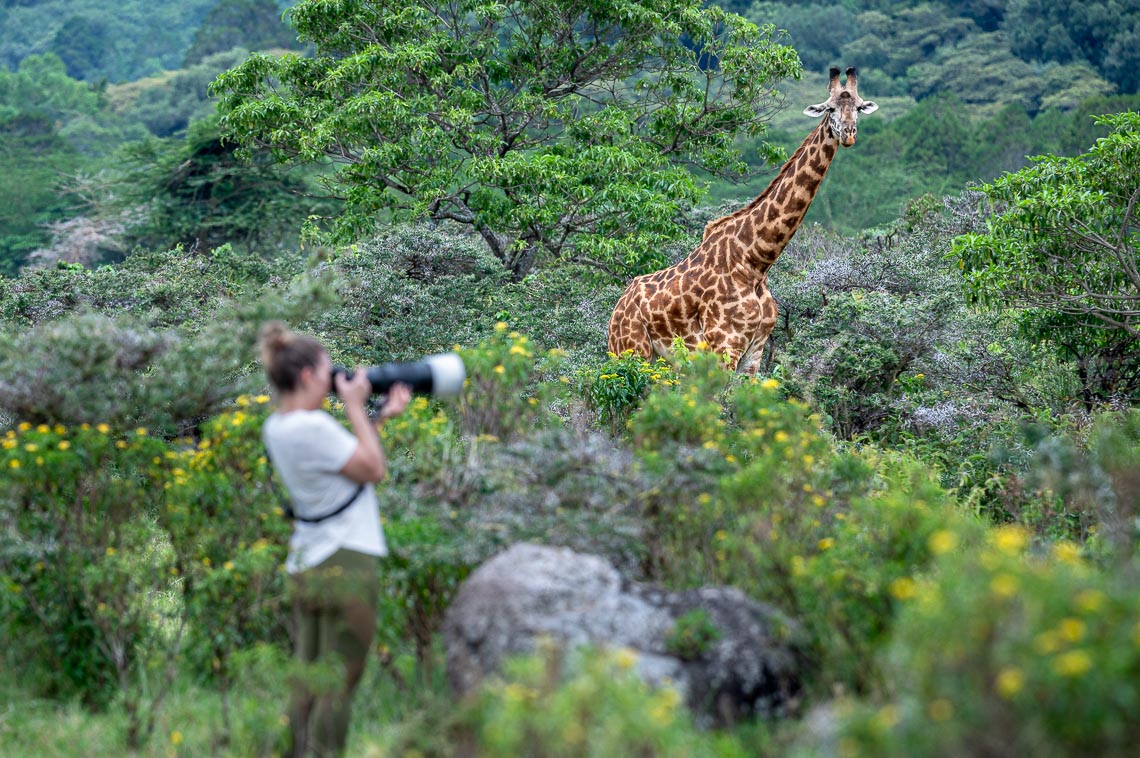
x: 598, y: 708
x: 618, y: 386
x: 502, y: 397
x: 692, y: 635
x: 86, y: 579
x: 229, y: 534
x: 1007, y: 647
x: 745, y: 489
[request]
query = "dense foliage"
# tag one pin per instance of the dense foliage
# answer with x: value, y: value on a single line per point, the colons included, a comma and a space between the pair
x: 139, y: 38
x: 551, y: 128
x: 935, y: 474
x: 1063, y: 249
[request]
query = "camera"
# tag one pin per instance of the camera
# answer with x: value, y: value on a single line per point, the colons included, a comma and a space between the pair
x: 440, y: 375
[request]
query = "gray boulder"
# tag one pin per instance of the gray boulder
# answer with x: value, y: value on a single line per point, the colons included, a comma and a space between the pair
x: 747, y: 666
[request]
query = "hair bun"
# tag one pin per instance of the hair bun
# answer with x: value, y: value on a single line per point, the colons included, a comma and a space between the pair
x: 273, y: 337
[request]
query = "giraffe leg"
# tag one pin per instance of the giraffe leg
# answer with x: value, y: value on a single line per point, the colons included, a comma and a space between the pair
x: 752, y: 360
x: 629, y: 334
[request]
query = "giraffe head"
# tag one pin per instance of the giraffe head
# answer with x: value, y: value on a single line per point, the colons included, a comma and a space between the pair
x: 843, y: 106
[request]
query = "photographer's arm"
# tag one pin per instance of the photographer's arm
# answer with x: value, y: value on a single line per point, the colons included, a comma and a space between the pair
x: 368, y: 463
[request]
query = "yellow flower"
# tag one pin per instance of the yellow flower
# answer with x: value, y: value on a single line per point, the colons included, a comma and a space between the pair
x: 1009, y: 682
x: 625, y: 658
x: 1011, y: 540
x: 43, y: 428
x: 500, y: 326
x: 942, y: 542
x: 1073, y: 663
x: 121, y: 444
x: 13, y: 463
x: 826, y: 543
x: 102, y: 428
x: 499, y: 369
x: 1046, y: 642
x: 176, y: 738
x: 261, y: 399
x: 111, y: 551
x: 818, y: 501
x: 1004, y: 585
x: 940, y: 709
x: 24, y: 426
x: 1089, y: 601
x: 141, y: 432
x: 64, y: 445
x: 903, y: 588
x: 9, y: 444
x: 228, y: 565
x: 770, y: 384
x: 242, y: 401
x: 780, y: 436
x: 31, y: 447
x: 888, y: 717
x: 1071, y: 630
x: 1066, y: 552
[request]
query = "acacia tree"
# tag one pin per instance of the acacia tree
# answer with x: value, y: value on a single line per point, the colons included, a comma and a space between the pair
x: 1063, y: 250
x: 555, y: 128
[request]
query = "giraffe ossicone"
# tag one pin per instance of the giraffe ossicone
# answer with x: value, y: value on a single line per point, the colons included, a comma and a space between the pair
x: 718, y: 295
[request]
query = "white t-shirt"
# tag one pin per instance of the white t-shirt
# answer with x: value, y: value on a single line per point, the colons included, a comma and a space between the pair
x: 308, y: 449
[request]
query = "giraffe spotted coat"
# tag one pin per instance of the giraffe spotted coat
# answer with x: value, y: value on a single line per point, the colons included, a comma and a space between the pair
x: 718, y: 295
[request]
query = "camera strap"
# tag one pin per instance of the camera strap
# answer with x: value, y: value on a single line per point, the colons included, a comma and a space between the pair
x: 287, y: 503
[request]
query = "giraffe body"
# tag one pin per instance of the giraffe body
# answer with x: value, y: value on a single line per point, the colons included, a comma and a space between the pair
x: 718, y: 295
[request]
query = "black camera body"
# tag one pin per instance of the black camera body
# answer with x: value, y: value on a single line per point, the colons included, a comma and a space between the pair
x: 439, y: 375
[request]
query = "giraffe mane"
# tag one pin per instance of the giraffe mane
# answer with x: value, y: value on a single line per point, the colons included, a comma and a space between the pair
x: 746, y: 209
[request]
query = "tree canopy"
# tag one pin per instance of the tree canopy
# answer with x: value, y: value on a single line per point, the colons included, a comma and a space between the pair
x: 1063, y: 248
x: 554, y: 128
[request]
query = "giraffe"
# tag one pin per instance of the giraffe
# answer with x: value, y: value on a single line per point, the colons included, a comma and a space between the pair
x: 718, y: 295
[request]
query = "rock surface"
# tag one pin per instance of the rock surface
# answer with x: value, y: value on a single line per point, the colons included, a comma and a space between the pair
x: 532, y: 592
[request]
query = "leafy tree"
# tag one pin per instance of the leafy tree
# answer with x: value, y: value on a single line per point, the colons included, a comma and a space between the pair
x: 812, y: 29
x: 981, y: 72
x: 196, y: 192
x: 1073, y: 30
x: 32, y: 158
x: 139, y: 38
x: 554, y: 128
x: 83, y: 45
x: 1063, y: 250
x: 167, y: 104
x: 250, y: 24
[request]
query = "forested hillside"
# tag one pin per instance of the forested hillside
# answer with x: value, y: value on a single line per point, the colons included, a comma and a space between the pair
x: 969, y: 90
x: 925, y: 485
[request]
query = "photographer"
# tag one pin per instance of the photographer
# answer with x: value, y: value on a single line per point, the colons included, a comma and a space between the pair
x: 337, y: 537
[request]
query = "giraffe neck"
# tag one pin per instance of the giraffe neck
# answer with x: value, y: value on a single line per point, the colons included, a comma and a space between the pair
x: 767, y: 224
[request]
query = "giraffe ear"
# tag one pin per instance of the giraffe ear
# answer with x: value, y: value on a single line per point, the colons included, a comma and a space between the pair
x: 868, y: 106
x: 816, y: 111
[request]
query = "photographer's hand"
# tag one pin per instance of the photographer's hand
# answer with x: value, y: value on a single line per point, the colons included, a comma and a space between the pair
x: 399, y: 395
x: 355, y: 391
x: 368, y: 463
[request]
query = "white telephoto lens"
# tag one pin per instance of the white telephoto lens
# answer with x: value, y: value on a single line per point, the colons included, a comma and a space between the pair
x: 447, y: 374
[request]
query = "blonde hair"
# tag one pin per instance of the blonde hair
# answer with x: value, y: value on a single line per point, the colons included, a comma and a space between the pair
x: 284, y: 354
